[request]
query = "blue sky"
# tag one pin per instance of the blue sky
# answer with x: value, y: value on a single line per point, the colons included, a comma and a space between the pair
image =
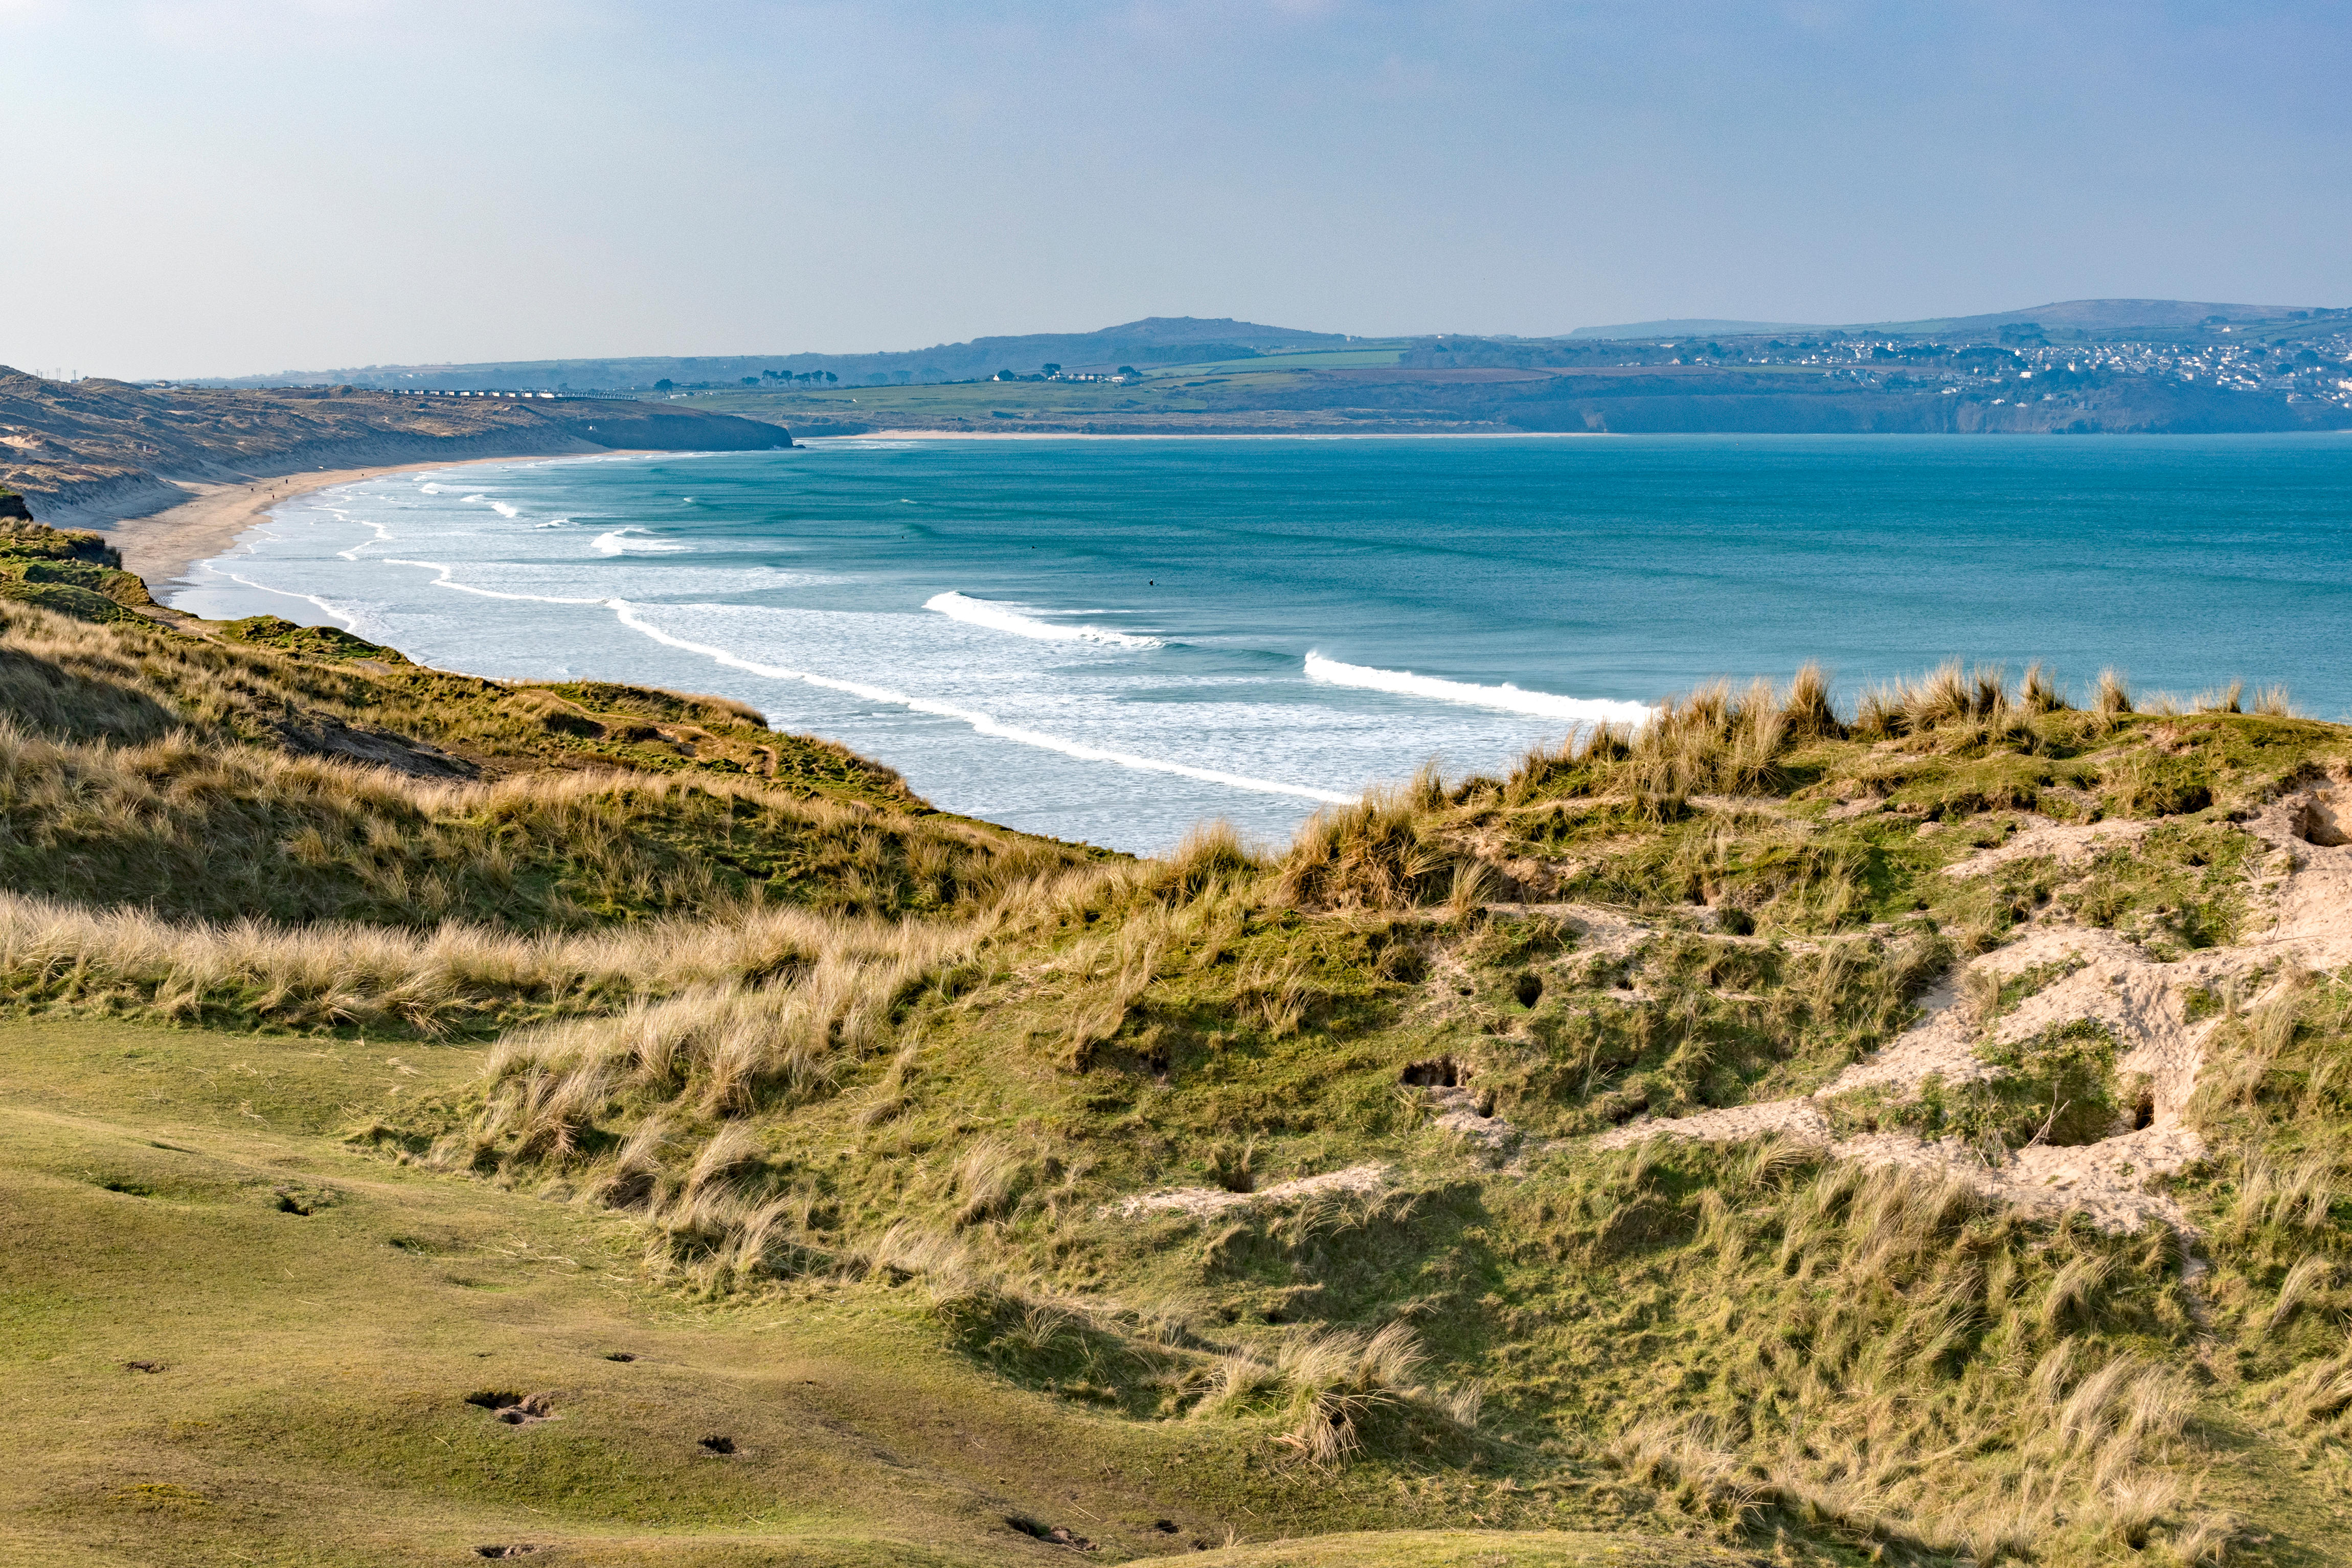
x: 229, y: 186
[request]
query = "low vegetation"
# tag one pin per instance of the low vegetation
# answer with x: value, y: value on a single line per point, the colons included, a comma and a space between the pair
x: 1336, y: 1189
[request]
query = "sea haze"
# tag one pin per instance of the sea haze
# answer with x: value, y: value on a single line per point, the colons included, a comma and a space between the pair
x: 1113, y: 640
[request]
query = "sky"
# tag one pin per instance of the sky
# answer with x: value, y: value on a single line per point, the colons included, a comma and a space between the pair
x: 226, y: 187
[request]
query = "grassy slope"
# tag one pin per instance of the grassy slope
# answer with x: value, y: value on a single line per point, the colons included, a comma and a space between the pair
x: 781, y: 1140
x: 310, y: 1405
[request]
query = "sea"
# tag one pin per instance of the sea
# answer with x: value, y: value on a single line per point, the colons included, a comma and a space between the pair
x: 1115, y: 640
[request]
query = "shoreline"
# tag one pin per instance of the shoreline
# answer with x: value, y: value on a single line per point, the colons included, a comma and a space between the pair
x: 162, y: 547
x: 1215, y: 436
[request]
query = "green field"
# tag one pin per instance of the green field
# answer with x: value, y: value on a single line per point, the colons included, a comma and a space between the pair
x: 1004, y: 405
x: 1386, y: 353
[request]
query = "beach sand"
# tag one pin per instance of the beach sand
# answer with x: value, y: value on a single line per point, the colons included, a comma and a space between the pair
x: 163, y: 546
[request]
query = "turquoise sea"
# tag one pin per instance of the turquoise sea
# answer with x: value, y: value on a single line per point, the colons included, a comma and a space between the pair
x: 1112, y: 640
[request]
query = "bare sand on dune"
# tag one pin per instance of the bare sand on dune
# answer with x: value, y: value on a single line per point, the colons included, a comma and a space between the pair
x: 163, y: 546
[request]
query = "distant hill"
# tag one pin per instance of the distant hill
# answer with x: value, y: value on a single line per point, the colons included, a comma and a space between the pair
x: 2099, y: 317
x: 2096, y: 316
x: 1155, y: 339
x: 1694, y: 328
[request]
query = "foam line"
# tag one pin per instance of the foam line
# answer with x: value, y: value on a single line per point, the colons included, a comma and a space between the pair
x: 1505, y: 697
x: 980, y: 722
x: 382, y: 537
x: 446, y: 581
x: 350, y: 623
x: 1000, y: 618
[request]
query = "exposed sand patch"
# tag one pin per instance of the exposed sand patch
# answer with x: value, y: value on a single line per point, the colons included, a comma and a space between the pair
x: 2310, y: 903
x: 2068, y: 843
x: 1598, y: 932
x: 1202, y: 1201
x: 2103, y: 1181
x: 1468, y: 1116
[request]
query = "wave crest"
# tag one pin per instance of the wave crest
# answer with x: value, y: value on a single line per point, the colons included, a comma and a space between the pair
x: 1002, y: 618
x: 1505, y: 697
x: 618, y: 542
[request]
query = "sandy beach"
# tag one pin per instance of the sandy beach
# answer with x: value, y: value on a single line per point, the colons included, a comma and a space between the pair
x: 163, y: 546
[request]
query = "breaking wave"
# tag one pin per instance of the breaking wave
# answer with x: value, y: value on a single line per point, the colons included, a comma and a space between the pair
x: 1004, y: 618
x: 618, y: 542
x: 1506, y: 697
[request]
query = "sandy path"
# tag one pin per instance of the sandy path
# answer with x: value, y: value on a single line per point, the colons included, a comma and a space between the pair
x: 163, y: 546
x: 1202, y: 1201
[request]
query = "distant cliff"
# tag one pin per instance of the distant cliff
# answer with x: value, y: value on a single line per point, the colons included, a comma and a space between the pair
x: 78, y: 451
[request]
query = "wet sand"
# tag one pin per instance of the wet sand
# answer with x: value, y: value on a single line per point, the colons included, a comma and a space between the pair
x: 163, y: 546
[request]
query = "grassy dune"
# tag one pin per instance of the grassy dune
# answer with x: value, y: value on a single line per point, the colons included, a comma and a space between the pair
x: 1637, y: 1158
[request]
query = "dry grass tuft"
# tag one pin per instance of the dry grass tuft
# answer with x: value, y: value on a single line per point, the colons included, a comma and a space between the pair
x: 1805, y: 707
x: 2041, y: 692
x: 1366, y: 856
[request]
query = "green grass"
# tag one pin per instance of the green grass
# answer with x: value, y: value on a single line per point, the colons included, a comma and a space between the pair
x: 310, y: 1405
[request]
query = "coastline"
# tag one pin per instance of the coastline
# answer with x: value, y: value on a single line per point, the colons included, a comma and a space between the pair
x: 163, y: 546
x: 924, y: 434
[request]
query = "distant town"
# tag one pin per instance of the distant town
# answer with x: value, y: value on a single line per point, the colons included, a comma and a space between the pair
x: 2078, y: 367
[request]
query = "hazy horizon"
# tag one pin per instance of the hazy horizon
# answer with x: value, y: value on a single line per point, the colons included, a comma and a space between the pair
x: 201, y: 187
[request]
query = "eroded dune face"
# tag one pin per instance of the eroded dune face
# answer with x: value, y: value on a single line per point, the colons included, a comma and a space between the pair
x: 2156, y: 1011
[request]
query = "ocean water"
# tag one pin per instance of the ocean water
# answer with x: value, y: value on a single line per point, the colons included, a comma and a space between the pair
x: 1113, y: 640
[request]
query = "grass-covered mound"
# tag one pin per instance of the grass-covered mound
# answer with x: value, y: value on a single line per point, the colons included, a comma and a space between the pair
x: 71, y: 573
x: 491, y: 845
x: 1910, y: 1133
